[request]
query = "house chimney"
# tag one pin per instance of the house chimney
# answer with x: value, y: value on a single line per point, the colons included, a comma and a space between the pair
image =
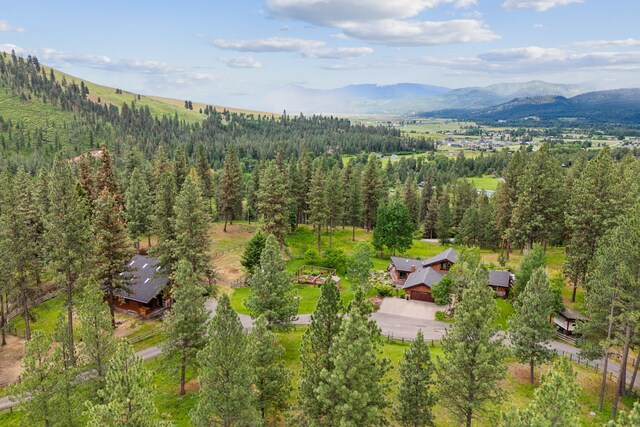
x: 413, y: 268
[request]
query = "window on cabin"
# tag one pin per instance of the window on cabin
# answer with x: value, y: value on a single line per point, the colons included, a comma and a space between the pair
x: 443, y: 266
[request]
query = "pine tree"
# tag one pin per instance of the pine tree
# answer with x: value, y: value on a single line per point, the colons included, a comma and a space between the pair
x: 354, y: 208
x: 613, y: 296
x: 272, y: 293
x: 138, y: 207
x: 318, y: 203
x: 180, y: 167
x: 226, y: 394
x: 410, y: 199
x: 112, y: 253
x: 314, y: 351
x: 163, y: 222
x: 231, y: 187
x: 272, y: 201
x: 506, y: 199
x: 334, y: 201
x: 555, y: 402
x: 537, y: 213
x: 305, y: 170
x: 271, y: 378
x: 431, y: 216
x: 253, y: 251
x: 394, y: 228
x: 205, y: 176
x: 38, y: 383
x: 19, y: 243
x: 425, y: 197
x: 442, y: 225
x: 65, y: 404
x: 128, y: 394
x: 463, y: 196
x: 191, y: 228
x: 592, y: 210
x: 354, y: 391
x: 529, y: 328
x: 415, y: 393
x: 360, y: 267
x: 632, y: 419
x: 95, y: 331
x: 473, y: 361
x: 371, y: 192
x: 107, y: 177
x: 253, y: 191
x: 185, y: 324
x: 532, y: 261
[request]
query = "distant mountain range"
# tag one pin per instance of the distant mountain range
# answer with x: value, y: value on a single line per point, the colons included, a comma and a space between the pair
x: 409, y: 98
x: 620, y: 106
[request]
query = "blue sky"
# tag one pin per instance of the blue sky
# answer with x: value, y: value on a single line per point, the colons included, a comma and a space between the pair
x: 235, y: 52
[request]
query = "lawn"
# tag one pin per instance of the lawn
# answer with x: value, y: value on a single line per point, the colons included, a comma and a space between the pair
x: 308, y: 296
x: 485, y: 182
x: 46, y: 316
x: 505, y: 310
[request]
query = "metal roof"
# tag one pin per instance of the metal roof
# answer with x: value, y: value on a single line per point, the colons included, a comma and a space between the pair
x: 404, y: 264
x: 571, y: 314
x: 499, y: 278
x: 424, y: 276
x: 449, y: 255
x: 146, y: 282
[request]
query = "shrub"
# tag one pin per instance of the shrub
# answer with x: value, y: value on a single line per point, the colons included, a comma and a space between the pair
x: 441, y: 291
x: 335, y: 258
x: 311, y: 256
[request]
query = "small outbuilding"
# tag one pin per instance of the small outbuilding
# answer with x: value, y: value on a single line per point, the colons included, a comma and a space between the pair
x: 501, y: 282
x: 566, y: 320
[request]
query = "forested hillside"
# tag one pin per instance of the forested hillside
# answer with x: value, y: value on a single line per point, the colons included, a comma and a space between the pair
x: 43, y: 114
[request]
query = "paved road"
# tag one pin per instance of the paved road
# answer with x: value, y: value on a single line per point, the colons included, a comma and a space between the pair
x: 393, y: 326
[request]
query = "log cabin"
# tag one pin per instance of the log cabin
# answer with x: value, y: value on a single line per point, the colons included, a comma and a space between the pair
x: 148, y: 288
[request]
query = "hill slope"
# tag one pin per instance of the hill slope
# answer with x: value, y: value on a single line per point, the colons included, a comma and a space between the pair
x: 407, y: 98
x: 620, y: 106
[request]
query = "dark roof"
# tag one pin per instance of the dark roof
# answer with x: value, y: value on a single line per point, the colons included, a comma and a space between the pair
x: 571, y: 314
x: 449, y: 255
x: 404, y: 264
x: 424, y: 276
x: 146, y: 280
x: 499, y: 278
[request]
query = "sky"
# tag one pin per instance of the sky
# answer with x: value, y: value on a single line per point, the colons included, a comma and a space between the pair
x: 235, y: 52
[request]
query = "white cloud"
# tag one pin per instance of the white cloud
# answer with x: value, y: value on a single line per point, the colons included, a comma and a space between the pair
x: 205, y: 77
x: 241, y: 62
x: 5, y: 26
x: 338, y: 52
x: 534, y: 59
x: 305, y: 47
x: 420, y: 33
x: 538, y: 26
x: 8, y: 47
x: 273, y: 44
x: 386, y: 22
x: 539, y: 5
x: 608, y: 43
x: 332, y: 12
x: 59, y: 58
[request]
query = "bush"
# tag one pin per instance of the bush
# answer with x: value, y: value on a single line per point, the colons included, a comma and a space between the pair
x: 442, y: 317
x: 441, y: 291
x: 311, y: 256
x: 335, y: 258
x: 384, y: 290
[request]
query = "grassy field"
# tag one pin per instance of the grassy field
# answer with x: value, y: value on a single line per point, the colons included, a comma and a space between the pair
x: 485, y: 182
x: 46, y: 316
